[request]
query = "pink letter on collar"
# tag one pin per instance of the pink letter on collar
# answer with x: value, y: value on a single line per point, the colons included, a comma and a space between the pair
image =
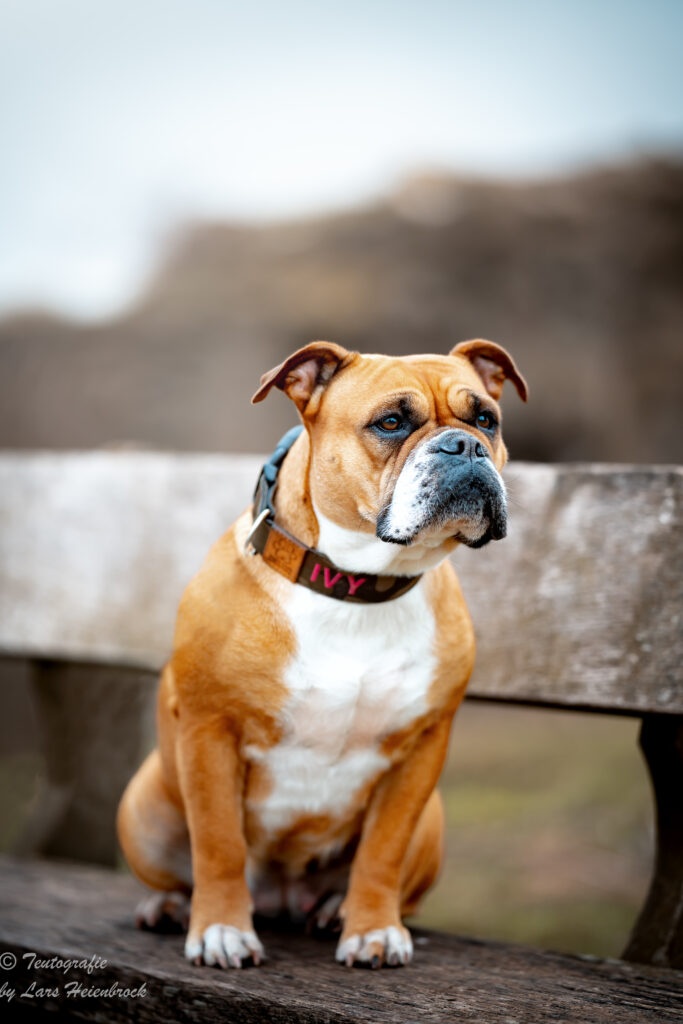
x: 355, y: 584
x: 330, y: 581
x: 314, y: 574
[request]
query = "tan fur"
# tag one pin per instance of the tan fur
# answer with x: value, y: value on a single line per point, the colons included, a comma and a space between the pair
x: 223, y: 689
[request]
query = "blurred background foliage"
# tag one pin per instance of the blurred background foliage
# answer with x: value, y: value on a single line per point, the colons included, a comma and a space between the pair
x: 188, y: 192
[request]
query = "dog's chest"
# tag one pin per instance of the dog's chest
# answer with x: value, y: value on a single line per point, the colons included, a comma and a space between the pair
x: 359, y: 674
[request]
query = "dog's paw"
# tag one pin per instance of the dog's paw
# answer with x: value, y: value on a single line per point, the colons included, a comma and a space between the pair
x: 325, y: 916
x: 163, y: 912
x: 392, y: 946
x: 223, y: 945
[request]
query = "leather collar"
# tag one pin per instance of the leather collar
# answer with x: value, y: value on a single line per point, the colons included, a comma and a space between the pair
x: 304, y: 565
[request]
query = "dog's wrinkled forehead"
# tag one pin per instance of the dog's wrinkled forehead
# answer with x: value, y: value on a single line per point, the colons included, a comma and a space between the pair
x: 448, y: 381
x: 427, y: 389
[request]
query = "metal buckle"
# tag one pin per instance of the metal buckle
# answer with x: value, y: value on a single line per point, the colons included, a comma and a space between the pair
x: 254, y: 527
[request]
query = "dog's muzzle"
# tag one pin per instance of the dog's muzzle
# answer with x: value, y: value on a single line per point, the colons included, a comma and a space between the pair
x: 448, y: 483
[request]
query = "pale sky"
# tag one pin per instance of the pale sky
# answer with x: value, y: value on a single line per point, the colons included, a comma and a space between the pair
x: 120, y: 119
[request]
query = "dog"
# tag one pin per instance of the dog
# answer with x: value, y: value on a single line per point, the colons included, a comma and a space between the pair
x: 319, y: 656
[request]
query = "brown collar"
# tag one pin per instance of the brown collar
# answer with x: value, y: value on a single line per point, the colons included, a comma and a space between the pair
x: 304, y: 565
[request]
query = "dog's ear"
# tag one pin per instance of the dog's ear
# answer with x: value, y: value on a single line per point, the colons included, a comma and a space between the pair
x: 303, y: 372
x: 493, y: 364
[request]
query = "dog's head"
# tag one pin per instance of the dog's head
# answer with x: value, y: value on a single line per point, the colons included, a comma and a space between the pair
x: 409, y: 448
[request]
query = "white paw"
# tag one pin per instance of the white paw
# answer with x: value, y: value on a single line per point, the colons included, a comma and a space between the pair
x: 163, y: 908
x: 392, y: 946
x: 224, y: 945
x: 327, y: 914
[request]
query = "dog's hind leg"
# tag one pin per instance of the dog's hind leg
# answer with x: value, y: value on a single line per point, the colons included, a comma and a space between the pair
x: 155, y: 841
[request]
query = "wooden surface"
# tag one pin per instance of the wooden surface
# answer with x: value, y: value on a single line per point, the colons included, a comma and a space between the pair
x: 579, y: 606
x: 582, y: 604
x: 97, y: 547
x: 58, y: 910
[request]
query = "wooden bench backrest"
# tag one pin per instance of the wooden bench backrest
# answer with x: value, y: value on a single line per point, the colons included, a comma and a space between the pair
x: 579, y: 606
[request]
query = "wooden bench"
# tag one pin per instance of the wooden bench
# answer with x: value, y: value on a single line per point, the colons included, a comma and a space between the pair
x: 579, y: 608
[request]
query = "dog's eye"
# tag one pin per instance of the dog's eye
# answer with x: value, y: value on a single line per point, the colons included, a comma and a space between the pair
x: 485, y: 421
x: 390, y: 423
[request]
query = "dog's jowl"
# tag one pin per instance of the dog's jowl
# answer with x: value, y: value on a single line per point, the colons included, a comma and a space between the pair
x: 319, y: 656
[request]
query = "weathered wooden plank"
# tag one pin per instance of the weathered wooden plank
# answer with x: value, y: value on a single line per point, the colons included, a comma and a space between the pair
x: 96, y: 547
x: 582, y: 603
x: 579, y: 606
x: 56, y: 910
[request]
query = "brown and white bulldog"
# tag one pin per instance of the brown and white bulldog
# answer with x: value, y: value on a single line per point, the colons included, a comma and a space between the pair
x: 319, y: 656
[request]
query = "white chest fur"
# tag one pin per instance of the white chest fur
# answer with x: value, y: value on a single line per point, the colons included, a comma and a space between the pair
x: 360, y: 673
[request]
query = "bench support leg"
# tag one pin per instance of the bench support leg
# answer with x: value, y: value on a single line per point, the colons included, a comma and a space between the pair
x: 95, y: 722
x: 658, y: 934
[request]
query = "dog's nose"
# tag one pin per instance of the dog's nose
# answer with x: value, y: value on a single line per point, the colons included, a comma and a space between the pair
x: 459, y: 442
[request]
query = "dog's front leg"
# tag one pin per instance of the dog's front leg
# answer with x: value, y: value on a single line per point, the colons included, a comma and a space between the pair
x: 373, y: 932
x: 221, y: 930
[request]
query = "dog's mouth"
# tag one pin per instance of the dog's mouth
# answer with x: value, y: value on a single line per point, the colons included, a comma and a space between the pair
x: 437, y: 497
